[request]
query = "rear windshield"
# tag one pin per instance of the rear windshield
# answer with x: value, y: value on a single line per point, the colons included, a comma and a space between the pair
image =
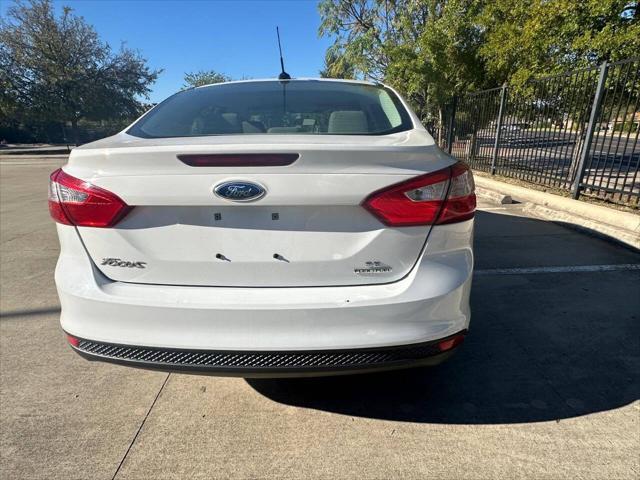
x: 273, y: 107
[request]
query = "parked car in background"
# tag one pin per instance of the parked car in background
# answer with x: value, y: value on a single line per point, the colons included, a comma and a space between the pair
x: 266, y: 227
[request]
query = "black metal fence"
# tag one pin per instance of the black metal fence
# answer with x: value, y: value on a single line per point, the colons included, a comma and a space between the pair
x: 576, y: 131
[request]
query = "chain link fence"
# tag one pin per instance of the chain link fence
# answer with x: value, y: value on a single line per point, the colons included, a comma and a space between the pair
x: 576, y: 131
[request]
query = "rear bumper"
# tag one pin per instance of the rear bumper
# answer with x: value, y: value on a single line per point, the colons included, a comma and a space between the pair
x: 429, y: 304
x: 271, y: 363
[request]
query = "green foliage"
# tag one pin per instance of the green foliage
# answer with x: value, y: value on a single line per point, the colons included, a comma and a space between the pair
x: 525, y: 39
x: 433, y: 49
x: 444, y: 61
x: 626, y: 127
x: 426, y: 49
x: 360, y: 28
x: 204, y: 77
x: 56, y: 69
x: 336, y: 65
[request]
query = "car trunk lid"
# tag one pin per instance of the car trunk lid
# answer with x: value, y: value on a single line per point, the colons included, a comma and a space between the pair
x: 308, y: 229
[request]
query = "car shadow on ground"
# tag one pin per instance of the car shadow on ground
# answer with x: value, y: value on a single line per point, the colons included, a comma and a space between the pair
x: 541, y: 347
x: 28, y: 313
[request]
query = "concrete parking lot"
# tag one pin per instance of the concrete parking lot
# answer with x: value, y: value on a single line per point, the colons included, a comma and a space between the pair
x: 546, y: 386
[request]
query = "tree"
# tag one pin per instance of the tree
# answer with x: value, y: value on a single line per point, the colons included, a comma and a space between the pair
x: 336, y: 65
x: 426, y: 49
x: 204, y: 77
x: 431, y: 50
x: 56, y: 68
x: 361, y: 30
x: 443, y: 59
x: 525, y: 39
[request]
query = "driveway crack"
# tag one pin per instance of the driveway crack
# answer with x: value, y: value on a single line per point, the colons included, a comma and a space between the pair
x: 135, y: 437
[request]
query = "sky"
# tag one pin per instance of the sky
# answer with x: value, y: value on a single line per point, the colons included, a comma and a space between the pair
x: 237, y: 38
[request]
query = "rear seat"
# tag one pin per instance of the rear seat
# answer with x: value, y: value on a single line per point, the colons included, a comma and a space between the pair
x: 252, y: 126
x: 284, y: 130
x: 348, y: 121
x: 215, y: 123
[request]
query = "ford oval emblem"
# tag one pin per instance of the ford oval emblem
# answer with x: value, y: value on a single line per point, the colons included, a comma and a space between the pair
x: 239, y: 191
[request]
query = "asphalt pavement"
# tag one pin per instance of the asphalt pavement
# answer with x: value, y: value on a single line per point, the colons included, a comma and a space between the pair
x: 547, y: 384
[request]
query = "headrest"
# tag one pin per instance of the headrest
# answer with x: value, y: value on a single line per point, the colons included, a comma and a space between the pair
x: 283, y: 130
x: 348, y: 121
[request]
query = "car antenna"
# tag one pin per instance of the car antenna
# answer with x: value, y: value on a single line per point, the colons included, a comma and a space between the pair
x: 283, y: 75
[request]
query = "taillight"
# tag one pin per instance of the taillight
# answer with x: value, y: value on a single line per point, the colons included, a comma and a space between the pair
x: 76, y: 202
x: 444, y: 196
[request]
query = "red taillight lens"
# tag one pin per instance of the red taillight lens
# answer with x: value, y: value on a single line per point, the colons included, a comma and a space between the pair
x: 76, y: 202
x: 451, y: 342
x: 461, y: 199
x: 444, y: 196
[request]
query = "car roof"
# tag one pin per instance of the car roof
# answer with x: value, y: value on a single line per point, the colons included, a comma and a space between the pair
x: 302, y: 79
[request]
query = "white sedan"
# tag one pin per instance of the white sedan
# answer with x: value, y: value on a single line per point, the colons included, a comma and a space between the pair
x: 266, y: 228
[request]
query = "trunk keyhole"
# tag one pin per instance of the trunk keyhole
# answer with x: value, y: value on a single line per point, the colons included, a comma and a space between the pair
x: 277, y: 256
x: 219, y: 256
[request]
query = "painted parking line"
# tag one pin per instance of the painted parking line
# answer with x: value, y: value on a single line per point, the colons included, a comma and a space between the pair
x: 559, y: 269
x: 39, y: 161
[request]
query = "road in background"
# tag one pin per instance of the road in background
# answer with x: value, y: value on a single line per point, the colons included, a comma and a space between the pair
x: 546, y: 386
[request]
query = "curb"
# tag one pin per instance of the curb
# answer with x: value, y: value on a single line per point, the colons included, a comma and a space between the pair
x: 495, y: 196
x: 621, y: 226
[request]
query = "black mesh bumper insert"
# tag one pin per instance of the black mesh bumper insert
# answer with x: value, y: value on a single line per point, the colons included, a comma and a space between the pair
x: 232, y: 360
